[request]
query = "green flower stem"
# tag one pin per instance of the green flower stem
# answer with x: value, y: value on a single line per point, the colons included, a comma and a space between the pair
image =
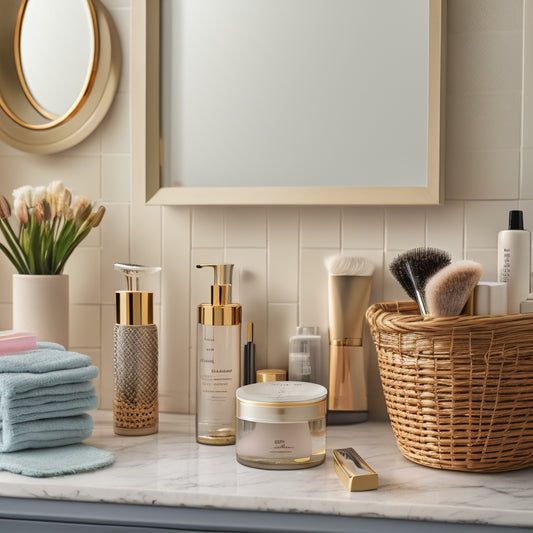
x: 16, y: 250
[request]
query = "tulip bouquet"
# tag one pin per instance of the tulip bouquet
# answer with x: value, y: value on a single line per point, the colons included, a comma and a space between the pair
x: 51, y: 225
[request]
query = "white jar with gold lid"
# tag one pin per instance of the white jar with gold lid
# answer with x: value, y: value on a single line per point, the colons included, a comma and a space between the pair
x: 281, y: 425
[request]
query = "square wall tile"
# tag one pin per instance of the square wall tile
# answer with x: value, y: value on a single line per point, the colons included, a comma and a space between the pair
x: 81, y: 174
x: 483, y: 175
x: 115, y: 235
x: 84, y: 327
x: 314, y: 299
x: 488, y: 259
x: 320, y: 227
x: 483, y: 121
x: 282, y: 323
x: 145, y: 241
x: 83, y: 269
x: 245, y: 227
x: 122, y: 19
x: 481, y: 62
x: 484, y: 15
x: 526, y: 174
x: 174, y: 390
x: 116, y: 127
x: 527, y: 207
x: 363, y: 227
x: 527, y: 111
x: 207, y: 227
x: 445, y: 226
x: 6, y: 279
x: 252, y: 264
x: 6, y: 316
x: 483, y: 221
x: 283, y: 246
x: 116, y: 178
x: 405, y: 227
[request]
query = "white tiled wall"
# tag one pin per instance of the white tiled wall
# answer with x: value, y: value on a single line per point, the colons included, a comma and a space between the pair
x: 279, y: 251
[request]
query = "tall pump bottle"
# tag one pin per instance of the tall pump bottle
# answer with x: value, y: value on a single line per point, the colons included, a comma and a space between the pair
x: 135, y: 405
x: 219, y: 357
x: 514, y: 261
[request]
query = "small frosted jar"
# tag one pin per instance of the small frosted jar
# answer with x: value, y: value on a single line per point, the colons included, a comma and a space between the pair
x: 281, y: 425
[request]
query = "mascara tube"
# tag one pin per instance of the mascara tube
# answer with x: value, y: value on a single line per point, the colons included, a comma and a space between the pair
x: 249, y: 356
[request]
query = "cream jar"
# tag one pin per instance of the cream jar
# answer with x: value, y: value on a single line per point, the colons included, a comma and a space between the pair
x: 281, y: 425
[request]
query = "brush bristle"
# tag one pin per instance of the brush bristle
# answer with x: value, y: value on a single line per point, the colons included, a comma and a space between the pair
x: 424, y: 263
x: 449, y: 289
x: 344, y: 265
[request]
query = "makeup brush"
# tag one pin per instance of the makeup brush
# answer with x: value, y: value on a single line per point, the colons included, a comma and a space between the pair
x: 449, y: 289
x: 349, y: 285
x: 413, y: 268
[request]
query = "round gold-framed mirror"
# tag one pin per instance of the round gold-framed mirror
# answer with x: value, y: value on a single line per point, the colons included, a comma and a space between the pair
x: 59, y: 72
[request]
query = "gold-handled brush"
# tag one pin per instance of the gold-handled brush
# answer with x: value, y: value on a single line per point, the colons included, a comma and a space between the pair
x: 350, y: 281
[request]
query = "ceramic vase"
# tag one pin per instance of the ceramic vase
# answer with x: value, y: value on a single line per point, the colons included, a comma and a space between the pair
x: 41, y: 306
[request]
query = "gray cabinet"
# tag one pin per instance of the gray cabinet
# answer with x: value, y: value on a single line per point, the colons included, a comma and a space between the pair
x: 19, y: 515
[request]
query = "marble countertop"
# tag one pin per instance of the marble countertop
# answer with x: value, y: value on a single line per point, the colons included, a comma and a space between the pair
x: 171, y: 469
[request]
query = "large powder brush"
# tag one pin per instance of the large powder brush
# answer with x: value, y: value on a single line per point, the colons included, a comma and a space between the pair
x: 449, y: 289
x: 412, y: 270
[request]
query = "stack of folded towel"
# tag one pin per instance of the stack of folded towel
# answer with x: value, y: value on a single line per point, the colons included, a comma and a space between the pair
x: 44, y: 396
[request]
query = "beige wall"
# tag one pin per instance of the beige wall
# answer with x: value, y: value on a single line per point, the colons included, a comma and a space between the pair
x: 280, y: 251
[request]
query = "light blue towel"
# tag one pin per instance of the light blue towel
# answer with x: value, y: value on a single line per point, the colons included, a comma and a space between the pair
x: 43, y: 359
x: 54, y: 376
x: 59, y: 461
x: 45, y: 433
x: 72, y: 406
x: 19, y: 382
x: 64, y: 392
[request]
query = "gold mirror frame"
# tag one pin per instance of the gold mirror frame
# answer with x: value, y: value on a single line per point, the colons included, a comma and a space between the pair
x: 16, y: 109
x: 148, y: 153
x: 54, y: 120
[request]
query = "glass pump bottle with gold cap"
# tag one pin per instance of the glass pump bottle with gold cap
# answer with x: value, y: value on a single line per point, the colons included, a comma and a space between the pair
x: 219, y: 357
x: 135, y: 406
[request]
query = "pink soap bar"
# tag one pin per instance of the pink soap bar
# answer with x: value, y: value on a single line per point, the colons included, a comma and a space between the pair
x: 16, y: 341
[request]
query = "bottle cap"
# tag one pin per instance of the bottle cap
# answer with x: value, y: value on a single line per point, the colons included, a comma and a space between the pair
x: 134, y: 307
x: 516, y: 220
x: 307, y: 330
x: 271, y: 374
x: 221, y: 288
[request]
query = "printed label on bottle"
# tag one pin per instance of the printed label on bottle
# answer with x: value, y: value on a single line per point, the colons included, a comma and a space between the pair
x: 218, y: 373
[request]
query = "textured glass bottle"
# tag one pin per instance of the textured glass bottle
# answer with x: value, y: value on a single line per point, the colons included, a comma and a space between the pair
x: 135, y: 405
x: 219, y: 355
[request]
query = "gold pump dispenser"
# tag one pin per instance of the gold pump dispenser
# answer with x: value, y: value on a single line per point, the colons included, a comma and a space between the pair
x: 220, y: 312
x: 135, y: 405
x: 219, y: 356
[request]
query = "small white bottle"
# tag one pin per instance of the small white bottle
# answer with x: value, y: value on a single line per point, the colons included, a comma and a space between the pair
x: 514, y: 261
x: 304, y: 355
x: 219, y: 357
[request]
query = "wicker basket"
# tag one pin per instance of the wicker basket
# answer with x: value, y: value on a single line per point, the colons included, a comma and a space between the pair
x: 459, y: 390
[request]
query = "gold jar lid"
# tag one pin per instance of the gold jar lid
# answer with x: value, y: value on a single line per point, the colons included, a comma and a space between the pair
x: 271, y: 374
x: 134, y: 308
x: 281, y: 401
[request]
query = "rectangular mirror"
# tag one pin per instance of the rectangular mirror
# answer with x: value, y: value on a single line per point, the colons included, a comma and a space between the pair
x: 296, y: 102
